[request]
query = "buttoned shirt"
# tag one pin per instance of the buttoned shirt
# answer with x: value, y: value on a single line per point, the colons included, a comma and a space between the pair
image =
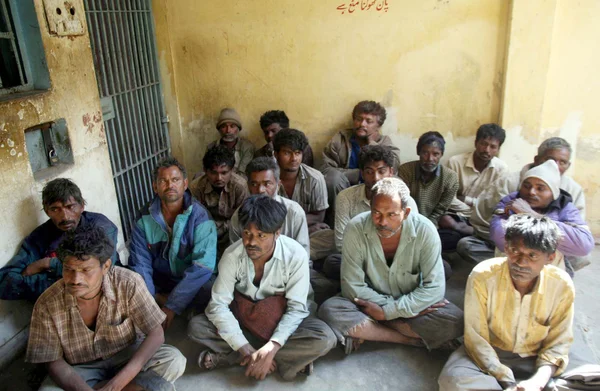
x: 294, y: 226
x: 57, y: 329
x: 286, y: 273
x: 414, y: 281
x: 538, y: 324
x: 310, y: 190
x: 472, y: 182
x: 243, y: 152
x: 220, y: 205
x: 351, y: 202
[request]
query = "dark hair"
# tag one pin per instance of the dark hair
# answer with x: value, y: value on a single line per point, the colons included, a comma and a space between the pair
x: 274, y: 117
x: 292, y: 138
x: 431, y: 138
x: 375, y: 153
x: 267, y: 214
x: 85, y: 242
x: 491, y: 131
x: 217, y: 156
x: 540, y: 234
x: 262, y: 163
x: 61, y: 189
x: 370, y: 107
x: 167, y: 162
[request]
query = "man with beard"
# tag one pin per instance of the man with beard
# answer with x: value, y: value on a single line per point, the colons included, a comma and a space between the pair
x: 220, y: 190
x: 340, y: 156
x: 392, y: 278
x: 479, y: 247
x: 476, y: 171
x: 540, y: 195
x: 35, y: 267
x: 375, y: 162
x: 271, y: 123
x: 432, y: 185
x: 518, y: 315
x: 174, y: 243
x: 229, y: 126
x: 269, y: 273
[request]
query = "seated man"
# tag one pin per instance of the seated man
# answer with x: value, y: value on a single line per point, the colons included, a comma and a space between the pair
x: 263, y: 179
x: 476, y: 171
x: 174, y: 243
x: 540, y: 195
x: 518, y: 315
x: 229, y: 126
x: 479, y: 247
x: 340, y: 156
x: 220, y: 190
x: 84, y: 327
x: 271, y: 123
x: 432, y: 185
x: 375, y: 162
x: 268, y: 272
x: 392, y: 278
x: 35, y: 267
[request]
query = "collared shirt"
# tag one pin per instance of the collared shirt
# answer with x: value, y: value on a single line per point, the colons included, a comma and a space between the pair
x: 58, y: 331
x: 220, y: 205
x: 414, y: 281
x: 538, y: 324
x: 433, y: 198
x: 310, y: 190
x: 351, y: 202
x: 243, y: 152
x: 472, y: 182
x: 286, y: 273
x: 294, y: 226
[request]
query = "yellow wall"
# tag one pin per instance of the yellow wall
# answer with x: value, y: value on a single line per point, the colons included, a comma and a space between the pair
x: 433, y: 64
x: 73, y: 95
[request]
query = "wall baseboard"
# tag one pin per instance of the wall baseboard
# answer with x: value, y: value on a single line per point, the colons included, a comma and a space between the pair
x: 13, y: 348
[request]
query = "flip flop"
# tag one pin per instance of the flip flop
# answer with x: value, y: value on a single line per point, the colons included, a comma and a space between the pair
x: 351, y: 344
x: 218, y: 360
x: 308, y: 369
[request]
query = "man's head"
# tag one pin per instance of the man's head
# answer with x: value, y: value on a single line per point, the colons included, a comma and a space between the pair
x: 557, y: 149
x: 272, y: 122
x: 368, y: 117
x: 169, y: 180
x: 229, y: 125
x: 63, y: 203
x: 541, y: 185
x: 530, y: 244
x: 288, y: 145
x: 376, y: 162
x: 218, y: 165
x: 488, y: 141
x: 85, y: 255
x: 430, y: 149
x: 263, y: 176
x: 389, y: 206
x: 261, y: 218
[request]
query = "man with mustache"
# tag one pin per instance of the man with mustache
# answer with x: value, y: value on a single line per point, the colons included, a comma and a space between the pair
x: 85, y: 327
x: 340, y: 156
x: 262, y: 268
x: 476, y: 171
x: 392, y: 278
x: 540, y: 195
x: 220, y: 190
x: 518, y: 315
x: 229, y: 125
x: 35, y: 267
x: 174, y: 243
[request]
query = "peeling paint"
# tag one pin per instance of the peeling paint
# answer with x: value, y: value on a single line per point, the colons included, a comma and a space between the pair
x: 13, y: 152
x: 21, y: 113
x: 10, y: 143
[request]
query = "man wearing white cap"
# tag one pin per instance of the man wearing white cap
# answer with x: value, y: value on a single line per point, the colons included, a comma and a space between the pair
x: 540, y: 195
x: 229, y: 126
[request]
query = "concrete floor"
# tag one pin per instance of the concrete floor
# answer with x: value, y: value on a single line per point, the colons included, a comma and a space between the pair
x: 375, y: 366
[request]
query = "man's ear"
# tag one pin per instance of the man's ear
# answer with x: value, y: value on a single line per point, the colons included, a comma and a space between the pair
x: 185, y: 184
x: 106, y: 266
x: 277, y: 233
x: 154, y: 186
x: 551, y: 258
x: 406, y: 212
x: 536, y: 160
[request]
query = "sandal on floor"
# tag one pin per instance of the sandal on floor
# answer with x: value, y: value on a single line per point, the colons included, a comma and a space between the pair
x: 308, y: 369
x: 351, y: 344
x: 218, y: 360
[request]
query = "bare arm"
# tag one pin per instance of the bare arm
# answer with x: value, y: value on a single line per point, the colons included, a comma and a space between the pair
x: 65, y: 376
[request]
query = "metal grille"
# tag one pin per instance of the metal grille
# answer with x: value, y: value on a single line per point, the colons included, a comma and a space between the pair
x: 124, y: 47
x: 12, y: 71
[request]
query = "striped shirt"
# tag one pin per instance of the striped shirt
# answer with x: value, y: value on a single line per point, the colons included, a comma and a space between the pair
x: 310, y: 190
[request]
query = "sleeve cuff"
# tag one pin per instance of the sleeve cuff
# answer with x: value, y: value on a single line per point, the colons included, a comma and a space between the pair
x: 391, y: 311
x: 469, y: 200
x: 559, y: 362
x: 237, y: 341
x: 56, y: 266
x: 280, y: 338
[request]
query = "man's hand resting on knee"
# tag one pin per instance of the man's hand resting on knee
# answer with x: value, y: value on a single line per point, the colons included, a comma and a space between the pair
x: 259, y: 363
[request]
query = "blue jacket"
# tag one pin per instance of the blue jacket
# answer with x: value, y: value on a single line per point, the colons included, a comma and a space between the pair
x: 41, y: 243
x: 182, y: 264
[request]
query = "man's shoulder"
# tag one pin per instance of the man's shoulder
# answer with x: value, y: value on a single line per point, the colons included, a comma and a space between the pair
x: 237, y: 182
x: 558, y: 277
x: 570, y: 185
x: 352, y: 191
x: 448, y: 174
x: 360, y: 221
x: 98, y: 219
x: 291, y: 206
x: 341, y: 136
x: 121, y: 275
x: 232, y: 254
x: 408, y: 166
x: 41, y: 232
x: 459, y: 159
x: 291, y: 250
x: 312, y: 172
x: 499, y: 164
x: 423, y: 227
x: 244, y: 142
x: 486, y: 270
x: 199, y: 183
x: 52, y: 295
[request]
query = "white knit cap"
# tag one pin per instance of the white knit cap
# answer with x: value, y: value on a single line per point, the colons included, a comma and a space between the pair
x: 547, y: 172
